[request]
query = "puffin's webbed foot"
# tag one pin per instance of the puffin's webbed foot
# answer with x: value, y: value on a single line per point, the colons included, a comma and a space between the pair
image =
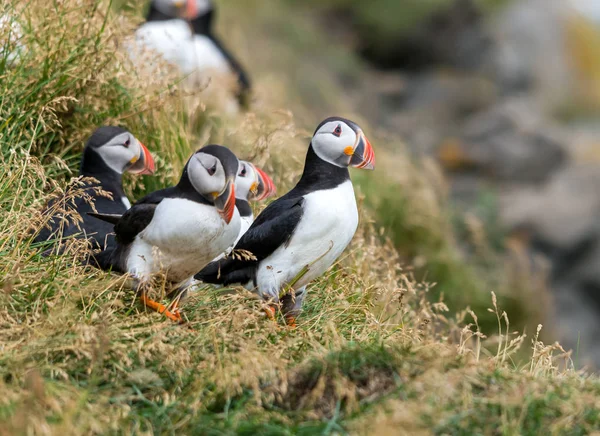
x: 160, y: 308
x: 291, y: 321
x: 271, y: 311
x: 291, y: 306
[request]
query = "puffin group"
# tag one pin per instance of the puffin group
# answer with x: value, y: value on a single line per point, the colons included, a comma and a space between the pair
x: 202, y: 230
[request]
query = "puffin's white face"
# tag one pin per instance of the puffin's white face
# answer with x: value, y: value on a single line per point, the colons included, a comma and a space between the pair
x: 252, y: 183
x: 246, y: 181
x: 125, y: 153
x: 212, y: 172
x: 207, y: 175
x: 340, y: 144
x: 187, y: 9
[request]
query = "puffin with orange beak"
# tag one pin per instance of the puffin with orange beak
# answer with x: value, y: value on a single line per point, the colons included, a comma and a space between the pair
x: 178, y: 230
x: 181, y: 31
x: 251, y: 184
x: 108, y: 153
x: 300, y: 235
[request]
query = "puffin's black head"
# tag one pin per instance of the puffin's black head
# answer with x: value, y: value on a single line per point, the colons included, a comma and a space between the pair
x: 211, y: 171
x: 252, y: 183
x: 119, y: 150
x: 342, y: 143
x: 186, y: 9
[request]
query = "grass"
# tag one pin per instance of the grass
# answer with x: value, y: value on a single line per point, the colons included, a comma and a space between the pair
x: 373, y: 349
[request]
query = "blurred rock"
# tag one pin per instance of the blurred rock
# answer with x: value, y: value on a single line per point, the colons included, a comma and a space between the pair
x: 529, y: 51
x: 560, y: 215
x: 453, y: 35
x: 432, y: 105
x: 562, y: 221
x: 512, y: 143
x: 589, y: 8
x: 577, y: 323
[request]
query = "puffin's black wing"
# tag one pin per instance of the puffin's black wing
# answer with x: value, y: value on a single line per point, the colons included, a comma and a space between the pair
x: 272, y: 228
x: 134, y: 221
x: 139, y: 215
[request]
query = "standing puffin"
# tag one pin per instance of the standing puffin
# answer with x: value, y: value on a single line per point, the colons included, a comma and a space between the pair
x: 182, y: 32
x: 108, y: 153
x: 298, y: 236
x: 251, y: 184
x: 178, y: 230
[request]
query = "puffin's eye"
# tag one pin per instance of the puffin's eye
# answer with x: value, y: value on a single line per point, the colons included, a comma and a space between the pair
x: 127, y: 143
x: 338, y: 131
x: 243, y: 172
x: 212, y: 170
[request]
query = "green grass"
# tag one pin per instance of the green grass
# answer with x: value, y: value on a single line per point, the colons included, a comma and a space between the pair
x: 78, y: 355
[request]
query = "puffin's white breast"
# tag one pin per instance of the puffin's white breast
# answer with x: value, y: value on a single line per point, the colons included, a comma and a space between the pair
x: 326, y: 228
x: 171, y: 39
x: 126, y: 202
x: 245, y: 223
x: 175, y: 41
x: 12, y: 30
x: 182, y: 238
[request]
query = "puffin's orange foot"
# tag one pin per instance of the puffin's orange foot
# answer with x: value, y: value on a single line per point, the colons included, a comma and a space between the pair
x: 161, y: 308
x: 174, y: 308
x: 291, y: 321
x: 270, y: 311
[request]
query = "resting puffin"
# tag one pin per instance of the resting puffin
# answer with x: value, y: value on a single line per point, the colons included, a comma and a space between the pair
x: 182, y: 32
x: 299, y: 236
x: 251, y: 184
x: 178, y: 230
x: 108, y: 153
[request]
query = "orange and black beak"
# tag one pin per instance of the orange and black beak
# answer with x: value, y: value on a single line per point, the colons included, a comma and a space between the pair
x: 225, y: 202
x: 191, y: 9
x: 362, y: 155
x: 143, y: 163
x: 187, y: 9
x: 265, y: 186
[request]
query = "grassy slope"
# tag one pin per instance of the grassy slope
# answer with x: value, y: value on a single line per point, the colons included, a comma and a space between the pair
x: 78, y: 356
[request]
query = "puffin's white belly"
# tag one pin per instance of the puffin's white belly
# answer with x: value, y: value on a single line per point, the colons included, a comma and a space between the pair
x: 181, y: 239
x: 245, y: 223
x: 171, y: 39
x: 13, y: 32
x: 126, y: 202
x: 327, y: 226
x: 175, y: 42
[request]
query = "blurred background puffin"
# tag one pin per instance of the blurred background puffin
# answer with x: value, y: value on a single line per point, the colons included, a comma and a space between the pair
x: 181, y: 31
